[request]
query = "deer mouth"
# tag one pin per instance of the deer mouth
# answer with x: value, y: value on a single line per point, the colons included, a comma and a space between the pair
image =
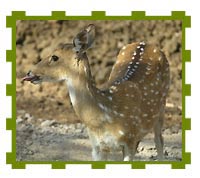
x: 35, y: 79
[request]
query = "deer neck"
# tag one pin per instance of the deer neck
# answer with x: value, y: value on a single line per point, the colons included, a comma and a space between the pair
x: 81, y: 88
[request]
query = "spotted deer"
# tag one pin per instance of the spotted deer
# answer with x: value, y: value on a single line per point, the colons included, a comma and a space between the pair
x: 131, y: 104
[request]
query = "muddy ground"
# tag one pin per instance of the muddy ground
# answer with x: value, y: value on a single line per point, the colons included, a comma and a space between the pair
x: 50, y: 102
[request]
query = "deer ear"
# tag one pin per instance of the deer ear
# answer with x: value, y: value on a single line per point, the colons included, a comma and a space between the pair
x: 84, y: 39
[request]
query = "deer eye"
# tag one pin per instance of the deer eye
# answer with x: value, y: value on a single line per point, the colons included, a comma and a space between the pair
x: 54, y: 58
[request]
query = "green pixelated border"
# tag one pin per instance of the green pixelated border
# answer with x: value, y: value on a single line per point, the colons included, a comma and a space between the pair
x: 96, y: 15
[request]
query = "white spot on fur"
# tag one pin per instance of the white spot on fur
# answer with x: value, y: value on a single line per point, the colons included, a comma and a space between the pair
x: 157, y: 92
x: 121, y: 132
x: 115, y: 112
x: 110, y: 98
x: 108, y: 118
x: 113, y: 87
x: 111, y: 91
x: 101, y: 106
x: 155, y: 50
x: 136, y: 117
x: 121, y: 115
x: 123, y: 53
x: 141, y: 53
x: 124, y: 47
x: 145, y: 115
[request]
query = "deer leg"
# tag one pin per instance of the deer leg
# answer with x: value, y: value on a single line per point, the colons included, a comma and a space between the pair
x: 129, y: 151
x: 97, y: 153
x: 158, y: 137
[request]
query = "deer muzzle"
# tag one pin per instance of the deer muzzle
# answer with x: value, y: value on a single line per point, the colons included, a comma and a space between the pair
x: 32, y: 78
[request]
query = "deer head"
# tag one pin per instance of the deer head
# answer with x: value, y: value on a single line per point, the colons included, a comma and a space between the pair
x: 61, y: 63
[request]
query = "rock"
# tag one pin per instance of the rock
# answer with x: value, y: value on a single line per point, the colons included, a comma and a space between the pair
x: 29, y: 142
x: 175, y: 128
x: 30, y: 152
x: 141, y: 148
x: 78, y: 131
x: 167, y: 131
x: 65, y: 127
x: 79, y: 126
x: 85, y: 133
x: 169, y: 105
x: 46, y: 129
x: 19, y: 120
x: 71, y: 127
x: 20, y: 111
x: 27, y: 116
x: 48, y: 123
x: 166, y: 153
x: 30, y: 119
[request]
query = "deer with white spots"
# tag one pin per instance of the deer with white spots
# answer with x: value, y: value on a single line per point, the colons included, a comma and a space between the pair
x: 130, y: 106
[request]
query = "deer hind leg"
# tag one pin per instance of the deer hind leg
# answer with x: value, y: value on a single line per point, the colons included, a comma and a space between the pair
x: 158, y: 136
x: 129, y: 151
